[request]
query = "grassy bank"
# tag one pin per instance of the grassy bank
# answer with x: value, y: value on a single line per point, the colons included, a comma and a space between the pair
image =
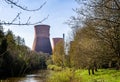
x: 70, y: 75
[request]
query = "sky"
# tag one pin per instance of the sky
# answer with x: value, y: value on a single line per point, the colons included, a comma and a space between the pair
x: 59, y: 12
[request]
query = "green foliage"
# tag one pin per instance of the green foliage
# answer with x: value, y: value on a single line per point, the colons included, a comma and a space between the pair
x: 54, y: 67
x: 1, y: 33
x: 85, y: 49
x: 49, y: 61
x: 17, y: 59
x: 61, y: 76
x: 3, y: 46
x: 96, y: 40
x: 58, y: 54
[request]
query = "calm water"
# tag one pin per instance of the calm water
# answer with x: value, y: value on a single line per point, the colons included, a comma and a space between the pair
x: 38, y: 76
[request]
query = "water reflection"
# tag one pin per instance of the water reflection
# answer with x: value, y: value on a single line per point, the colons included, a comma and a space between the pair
x: 38, y: 77
x: 23, y: 79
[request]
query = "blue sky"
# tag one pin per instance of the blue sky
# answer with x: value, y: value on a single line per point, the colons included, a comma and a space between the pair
x: 59, y: 11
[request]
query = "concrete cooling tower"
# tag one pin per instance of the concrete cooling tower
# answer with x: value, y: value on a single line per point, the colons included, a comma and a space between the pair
x: 55, y: 41
x: 41, y: 40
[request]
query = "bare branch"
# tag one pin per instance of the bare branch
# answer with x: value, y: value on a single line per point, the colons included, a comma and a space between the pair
x: 117, y: 3
x: 28, y: 20
x: 15, y: 18
x: 23, y: 8
x: 22, y: 24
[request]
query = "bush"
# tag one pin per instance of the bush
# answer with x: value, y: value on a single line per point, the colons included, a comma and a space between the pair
x: 54, y: 67
x: 65, y: 75
x: 61, y: 76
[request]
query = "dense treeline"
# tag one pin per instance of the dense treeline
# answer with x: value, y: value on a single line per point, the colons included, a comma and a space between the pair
x: 96, y: 36
x: 16, y: 59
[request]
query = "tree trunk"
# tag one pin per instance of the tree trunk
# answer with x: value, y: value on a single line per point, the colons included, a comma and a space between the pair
x: 110, y: 64
x: 93, y: 71
x: 89, y: 71
x: 95, y: 67
x: 118, y: 64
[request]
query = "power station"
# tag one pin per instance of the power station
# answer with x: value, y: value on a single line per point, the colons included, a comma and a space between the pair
x: 41, y: 40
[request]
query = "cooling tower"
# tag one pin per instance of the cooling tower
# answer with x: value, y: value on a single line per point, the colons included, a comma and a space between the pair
x: 55, y: 41
x: 41, y: 39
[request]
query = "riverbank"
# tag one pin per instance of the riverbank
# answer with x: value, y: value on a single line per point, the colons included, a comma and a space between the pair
x: 80, y: 75
x: 68, y: 75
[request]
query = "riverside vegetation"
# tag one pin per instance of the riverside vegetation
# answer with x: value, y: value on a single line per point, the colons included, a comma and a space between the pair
x: 93, y: 53
x: 57, y: 74
x: 16, y: 59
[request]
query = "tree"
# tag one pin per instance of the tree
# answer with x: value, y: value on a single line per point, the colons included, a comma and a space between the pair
x: 105, y: 18
x: 3, y: 47
x: 1, y: 33
x: 58, y: 54
x: 108, y: 13
x: 10, y: 40
x: 20, y: 41
x: 15, y: 60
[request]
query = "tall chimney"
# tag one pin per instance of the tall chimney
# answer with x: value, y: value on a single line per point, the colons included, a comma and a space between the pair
x: 41, y: 40
x: 64, y: 37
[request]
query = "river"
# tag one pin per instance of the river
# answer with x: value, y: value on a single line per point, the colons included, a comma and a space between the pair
x: 38, y: 76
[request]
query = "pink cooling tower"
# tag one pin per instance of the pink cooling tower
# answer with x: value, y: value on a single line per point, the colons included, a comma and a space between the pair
x: 41, y: 40
x: 55, y: 41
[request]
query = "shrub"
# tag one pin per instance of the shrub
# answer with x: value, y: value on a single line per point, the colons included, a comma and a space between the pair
x: 65, y: 75
x: 54, y: 67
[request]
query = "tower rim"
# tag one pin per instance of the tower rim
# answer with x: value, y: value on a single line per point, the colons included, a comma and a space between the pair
x: 42, y: 25
x: 57, y: 38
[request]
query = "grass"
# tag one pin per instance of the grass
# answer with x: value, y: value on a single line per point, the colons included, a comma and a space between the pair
x: 103, y: 75
x: 80, y: 75
x: 60, y: 76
